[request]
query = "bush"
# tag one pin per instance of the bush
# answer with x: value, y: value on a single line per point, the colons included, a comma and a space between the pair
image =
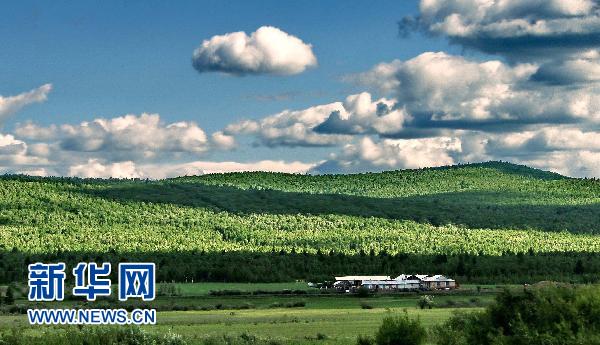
x: 297, y: 304
x: 533, y: 316
x: 169, y: 289
x: 225, y: 292
x: 400, y: 330
x: 363, y: 292
x: 364, y: 305
x: 10, y: 296
x: 425, y: 301
x: 364, y: 340
x: 91, y: 336
x: 276, y: 305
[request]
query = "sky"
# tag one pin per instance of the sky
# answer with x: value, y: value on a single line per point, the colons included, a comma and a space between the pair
x: 156, y: 89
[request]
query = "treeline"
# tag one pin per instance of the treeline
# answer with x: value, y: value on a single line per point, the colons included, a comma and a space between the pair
x: 283, y: 267
x: 546, y: 314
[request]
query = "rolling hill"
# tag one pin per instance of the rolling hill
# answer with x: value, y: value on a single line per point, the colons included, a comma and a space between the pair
x: 493, y: 211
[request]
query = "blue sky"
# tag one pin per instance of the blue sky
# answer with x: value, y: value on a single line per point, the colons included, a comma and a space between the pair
x: 128, y: 57
x: 108, y: 59
x: 113, y: 58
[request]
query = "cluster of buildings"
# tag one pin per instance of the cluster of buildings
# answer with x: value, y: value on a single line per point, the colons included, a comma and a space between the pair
x: 403, y: 282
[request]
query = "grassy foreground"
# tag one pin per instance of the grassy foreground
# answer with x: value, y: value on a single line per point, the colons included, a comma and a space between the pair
x: 318, y: 319
x: 288, y: 326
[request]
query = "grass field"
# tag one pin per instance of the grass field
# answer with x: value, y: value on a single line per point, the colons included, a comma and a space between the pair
x: 340, y: 326
x: 201, y: 289
x: 334, y: 319
x: 290, y: 326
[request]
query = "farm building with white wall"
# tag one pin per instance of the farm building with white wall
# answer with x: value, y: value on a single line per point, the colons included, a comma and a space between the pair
x: 403, y: 282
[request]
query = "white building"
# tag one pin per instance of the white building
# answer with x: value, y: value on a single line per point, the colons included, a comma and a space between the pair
x: 403, y: 282
x: 358, y: 280
x: 438, y: 282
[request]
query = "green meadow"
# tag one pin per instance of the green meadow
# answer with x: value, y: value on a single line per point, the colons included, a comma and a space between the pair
x: 321, y: 319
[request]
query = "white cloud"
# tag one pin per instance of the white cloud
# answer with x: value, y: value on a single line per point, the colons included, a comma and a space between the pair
x: 125, y: 137
x: 290, y: 127
x: 568, y: 150
x: 223, y: 141
x: 362, y: 115
x: 368, y: 155
x: 444, y: 91
x: 324, y: 125
x: 530, y: 143
x: 129, y: 169
x: 519, y: 29
x: 94, y: 169
x: 16, y: 154
x: 266, y: 51
x: 207, y: 167
x: 11, y: 146
x: 578, y: 68
x: 565, y: 149
x: 577, y: 164
x: 11, y: 104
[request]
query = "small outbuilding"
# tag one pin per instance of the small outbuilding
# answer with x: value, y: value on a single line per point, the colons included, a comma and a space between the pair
x: 438, y: 282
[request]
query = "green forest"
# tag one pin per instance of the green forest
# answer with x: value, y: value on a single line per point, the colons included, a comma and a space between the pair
x: 485, y: 222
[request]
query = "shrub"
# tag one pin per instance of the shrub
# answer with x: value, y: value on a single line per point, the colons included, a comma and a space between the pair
x: 297, y: 304
x: 363, y: 292
x: 534, y: 316
x: 425, y: 301
x: 321, y: 336
x: 276, y: 305
x: 400, y: 330
x: 10, y: 296
x: 450, y: 303
x: 364, y: 340
x: 91, y: 336
x: 364, y: 305
x: 225, y: 292
x: 169, y: 289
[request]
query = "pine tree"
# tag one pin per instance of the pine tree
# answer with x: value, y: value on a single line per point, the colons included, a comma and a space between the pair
x: 10, y: 297
x: 579, y: 267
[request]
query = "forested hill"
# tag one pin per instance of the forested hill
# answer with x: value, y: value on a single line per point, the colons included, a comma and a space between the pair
x: 486, y: 209
x: 491, y: 195
x: 481, y: 176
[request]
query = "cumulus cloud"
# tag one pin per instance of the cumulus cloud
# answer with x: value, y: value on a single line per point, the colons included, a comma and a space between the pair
x: 361, y: 115
x: 578, y: 164
x: 368, y: 155
x: 96, y: 169
x: 223, y: 141
x: 268, y: 50
x: 11, y: 146
x: 16, y: 154
x: 564, y: 149
x: 579, y: 68
x: 324, y: 125
x: 127, y: 137
x: 128, y: 146
x: 207, y: 167
x: 439, y: 90
x: 11, y: 104
x: 290, y: 127
x: 515, y: 28
x: 528, y: 144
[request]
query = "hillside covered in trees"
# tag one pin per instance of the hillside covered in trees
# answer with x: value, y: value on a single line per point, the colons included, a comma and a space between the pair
x: 484, y: 222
